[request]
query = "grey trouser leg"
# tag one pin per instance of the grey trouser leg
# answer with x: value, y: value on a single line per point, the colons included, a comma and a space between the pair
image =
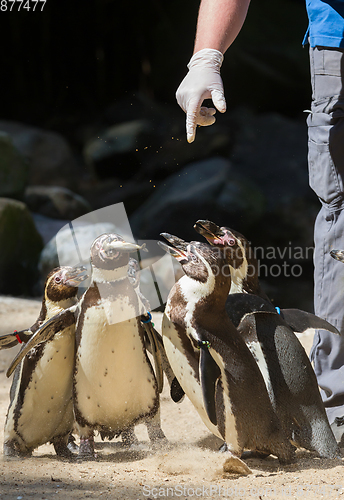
x: 326, y: 177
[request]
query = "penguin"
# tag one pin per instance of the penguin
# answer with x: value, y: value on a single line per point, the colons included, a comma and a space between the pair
x: 284, y: 364
x: 41, y: 409
x: 211, y: 361
x: 114, y: 383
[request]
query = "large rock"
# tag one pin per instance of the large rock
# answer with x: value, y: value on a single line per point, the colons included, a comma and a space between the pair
x: 113, y: 152
x: 56, y: 202
x: 151, y: 146
x: 71, y: 246
x: 209, y: 189
x: 20, y: 249
x: 50, y: 158
x: 271, y: 149
x: 13, y: 169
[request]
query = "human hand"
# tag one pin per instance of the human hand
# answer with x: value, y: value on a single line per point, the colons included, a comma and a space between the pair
x: 203, y: 81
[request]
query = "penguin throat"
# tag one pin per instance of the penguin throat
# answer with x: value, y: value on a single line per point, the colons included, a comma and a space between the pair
x: 194, y: 292
x: 239, y: 275
x: 108, y: 275
x: 55, y: 307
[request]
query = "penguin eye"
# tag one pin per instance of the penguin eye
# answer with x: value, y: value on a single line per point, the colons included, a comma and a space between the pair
x: 231, y: 242
x: 193, y: 258
x: 58, y: 279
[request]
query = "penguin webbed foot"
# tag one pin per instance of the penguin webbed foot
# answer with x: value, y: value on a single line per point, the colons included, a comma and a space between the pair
x: 63, y: 447
x: 129, y: 438
x: 156, y: 434
x: 72, y: 446
x: 11, y: 450
x: 86, y: 448
x: 286, y: 456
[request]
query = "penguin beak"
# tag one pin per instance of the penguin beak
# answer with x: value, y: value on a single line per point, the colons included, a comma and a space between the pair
x: 338, y: 255
x: 75, y: 275
x: 210, y: 231
x: 214, y: 234
x: 112, y: 248
x: 179, y: 248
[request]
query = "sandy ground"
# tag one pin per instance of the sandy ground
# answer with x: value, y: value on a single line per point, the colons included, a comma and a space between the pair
x: 190, y: 467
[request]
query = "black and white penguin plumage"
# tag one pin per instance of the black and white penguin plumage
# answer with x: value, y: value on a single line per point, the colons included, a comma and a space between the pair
x: 114, y: 383
x: 176, y: 391
x: 41, y: 408
x: 270, y: 336
x: 212, y: 362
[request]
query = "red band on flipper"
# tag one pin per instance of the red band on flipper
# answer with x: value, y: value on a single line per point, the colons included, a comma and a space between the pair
x: 18, y: 338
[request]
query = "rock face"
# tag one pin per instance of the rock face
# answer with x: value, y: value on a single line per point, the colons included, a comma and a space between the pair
x: 49, y: 156
x: 68, y: 248
x: 209, y: 189
x: 13, y: 168
x: 20, y: 248
x: 272, y: 151
x: 56, y: 202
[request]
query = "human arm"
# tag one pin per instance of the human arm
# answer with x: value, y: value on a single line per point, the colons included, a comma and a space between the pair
x: 219, y: 22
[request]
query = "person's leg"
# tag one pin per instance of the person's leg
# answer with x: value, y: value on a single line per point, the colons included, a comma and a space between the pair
x: 326, y: 176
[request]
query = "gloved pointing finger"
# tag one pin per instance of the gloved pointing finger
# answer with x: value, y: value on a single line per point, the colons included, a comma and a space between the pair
x: 203, y: 81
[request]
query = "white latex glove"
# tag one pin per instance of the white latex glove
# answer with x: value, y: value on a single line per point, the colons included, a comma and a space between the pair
x: 203, y: 81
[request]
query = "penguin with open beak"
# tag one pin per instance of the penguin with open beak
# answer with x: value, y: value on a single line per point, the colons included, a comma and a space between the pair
x: 211, y: 361
x: 41, y: 408
x: 284, y: 364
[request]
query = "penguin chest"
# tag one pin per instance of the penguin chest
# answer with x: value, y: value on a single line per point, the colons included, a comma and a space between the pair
x: 114, y: 381
x: 186, y: 371
x: 42, y: 406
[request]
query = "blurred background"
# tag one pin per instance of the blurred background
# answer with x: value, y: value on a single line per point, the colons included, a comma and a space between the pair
x: 88, y: 119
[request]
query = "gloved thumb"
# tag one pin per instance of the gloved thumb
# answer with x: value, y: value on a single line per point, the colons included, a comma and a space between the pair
x: 219, y: 100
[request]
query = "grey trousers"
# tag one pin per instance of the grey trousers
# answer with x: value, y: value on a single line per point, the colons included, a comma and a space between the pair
x: 326, y: 178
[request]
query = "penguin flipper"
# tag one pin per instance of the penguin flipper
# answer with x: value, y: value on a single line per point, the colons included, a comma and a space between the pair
x: 209, y: 373
x: 155, y: 351
x: 12, y: 339
x: 176, y: 390
x: 299, y: 321
x: 45, y: 332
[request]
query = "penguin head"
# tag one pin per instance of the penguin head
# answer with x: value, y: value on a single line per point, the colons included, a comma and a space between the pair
x: 62, y: 282
x: 111, y: 251
x: 241, y: 256
x: 240, y: 248
x: 200, y: 261
x: 337, y: 254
